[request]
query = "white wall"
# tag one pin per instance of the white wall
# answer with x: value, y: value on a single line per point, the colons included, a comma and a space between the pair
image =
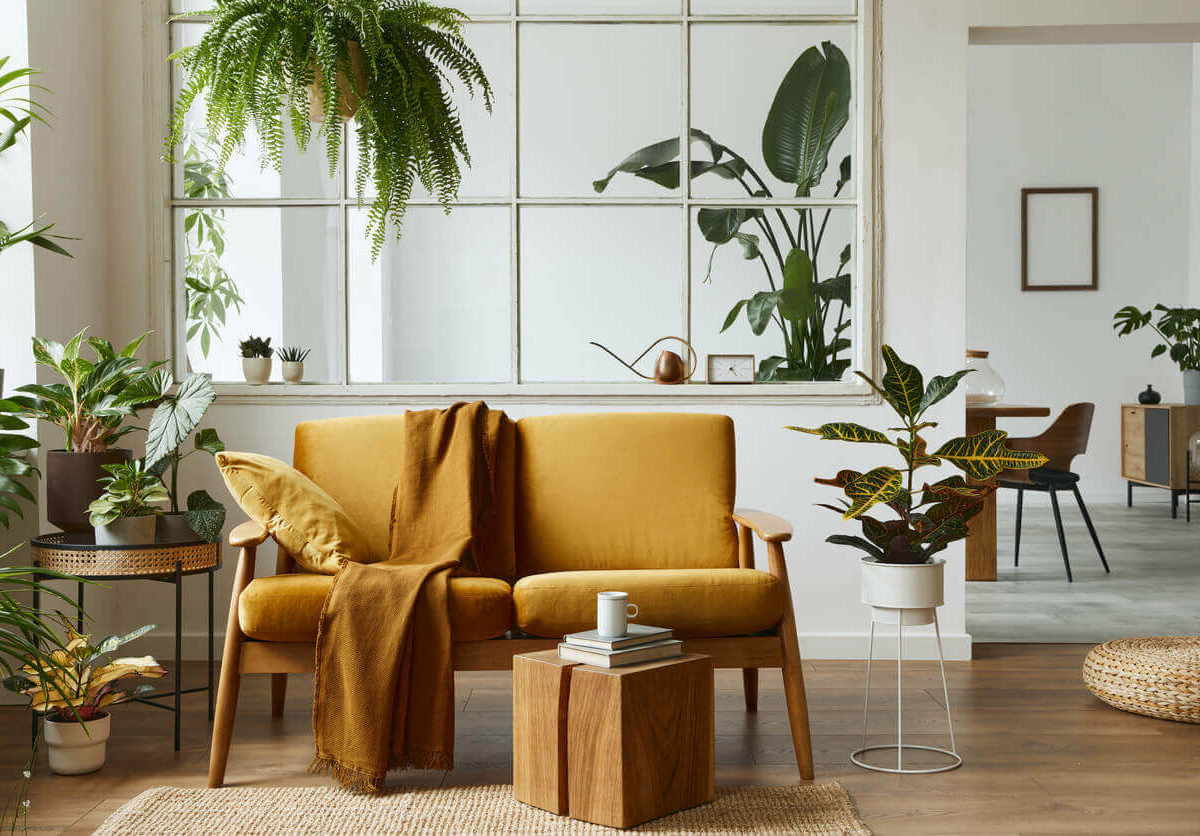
x: 925, y: 186
x: 1194, y: 225
x: 1116, y: 116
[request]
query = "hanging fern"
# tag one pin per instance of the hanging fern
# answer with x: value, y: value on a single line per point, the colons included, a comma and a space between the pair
x: 255, y: 62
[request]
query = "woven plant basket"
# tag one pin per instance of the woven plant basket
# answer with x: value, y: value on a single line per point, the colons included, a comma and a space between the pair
x: 1158, y: 676
x: 94, y: 561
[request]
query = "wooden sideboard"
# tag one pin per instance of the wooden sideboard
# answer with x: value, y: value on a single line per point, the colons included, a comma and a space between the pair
x: 1154, y: 441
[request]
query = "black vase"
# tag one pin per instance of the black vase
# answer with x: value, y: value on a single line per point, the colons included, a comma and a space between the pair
x: 1149, y: 396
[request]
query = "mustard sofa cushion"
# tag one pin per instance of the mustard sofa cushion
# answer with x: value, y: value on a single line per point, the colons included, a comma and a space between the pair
x: 356, y: 461
x: 287, y: 608
x: 625, y: 491
x: 694, y: 602
x: 305, y: 520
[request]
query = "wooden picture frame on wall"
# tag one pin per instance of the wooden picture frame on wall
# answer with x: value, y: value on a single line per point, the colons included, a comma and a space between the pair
x: 1060, y: 232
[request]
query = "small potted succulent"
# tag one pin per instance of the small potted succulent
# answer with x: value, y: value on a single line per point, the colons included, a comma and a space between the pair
x: 124, y: 515
x: 175, y: 418
x: 292, y: 357
x: 900, y: 571
x: 256, y: 359
x: 74, y: 692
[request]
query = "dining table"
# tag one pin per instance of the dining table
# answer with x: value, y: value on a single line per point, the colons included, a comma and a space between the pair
x: 981, y: 529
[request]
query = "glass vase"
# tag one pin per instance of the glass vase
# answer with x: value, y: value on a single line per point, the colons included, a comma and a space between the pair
x: 984, y: 386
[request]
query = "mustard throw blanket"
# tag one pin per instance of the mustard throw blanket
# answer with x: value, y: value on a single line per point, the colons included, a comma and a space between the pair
x: 383, y: 697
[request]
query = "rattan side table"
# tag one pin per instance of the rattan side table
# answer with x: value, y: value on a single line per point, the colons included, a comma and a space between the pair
x: 76, y: 553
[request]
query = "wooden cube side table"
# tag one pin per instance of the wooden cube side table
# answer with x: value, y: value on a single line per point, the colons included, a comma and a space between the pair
x: 613, y: 746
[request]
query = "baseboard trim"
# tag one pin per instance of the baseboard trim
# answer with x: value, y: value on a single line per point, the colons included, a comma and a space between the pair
x: 919, y: 643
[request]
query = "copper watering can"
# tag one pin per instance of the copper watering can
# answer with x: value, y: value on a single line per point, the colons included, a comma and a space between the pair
x: 668, y: 368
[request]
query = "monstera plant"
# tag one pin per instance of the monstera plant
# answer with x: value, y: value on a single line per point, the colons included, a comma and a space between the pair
x: 811, y: 312
x: 930, y: 517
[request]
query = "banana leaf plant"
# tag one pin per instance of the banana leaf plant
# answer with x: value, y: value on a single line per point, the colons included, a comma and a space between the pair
x: 810, y: 109
x: 175, y: 418
x: 933, y: 516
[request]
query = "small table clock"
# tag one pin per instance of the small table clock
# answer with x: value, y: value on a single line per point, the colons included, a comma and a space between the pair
x: 731, y: 368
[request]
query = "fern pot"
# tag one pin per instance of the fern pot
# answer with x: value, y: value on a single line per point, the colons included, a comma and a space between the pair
x: 903, y: 593
x: 128, y: 531
x: 76, y: 748
x: 1191, y: 387
x: 72, y: 482
x: 171, y: 527
x: 293, y: 371
x: 347, y: 103
x: 256, y: 369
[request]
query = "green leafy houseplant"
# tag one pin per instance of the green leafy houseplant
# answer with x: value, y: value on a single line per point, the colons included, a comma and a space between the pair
x: 13, y: 464
x: 252, y: 347
x: 130, y: 490
x: 292, y: 353
x: 18, y: 112
x: 176, y: 417
x: 810, y: 109
x: 391, y: 61
x: 931, y: 517
x: 1178, y: 330
x: 96, y: 397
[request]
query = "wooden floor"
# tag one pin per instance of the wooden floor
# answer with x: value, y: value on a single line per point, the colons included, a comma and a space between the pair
x: 1042, y: 756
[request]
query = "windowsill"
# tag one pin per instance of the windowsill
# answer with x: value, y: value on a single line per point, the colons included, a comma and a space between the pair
x: 847, y: 393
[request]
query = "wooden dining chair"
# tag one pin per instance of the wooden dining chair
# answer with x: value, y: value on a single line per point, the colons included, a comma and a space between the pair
x: 1065, y: 439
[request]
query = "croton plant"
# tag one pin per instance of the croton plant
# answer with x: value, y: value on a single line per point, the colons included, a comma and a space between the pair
x: 932, y: 516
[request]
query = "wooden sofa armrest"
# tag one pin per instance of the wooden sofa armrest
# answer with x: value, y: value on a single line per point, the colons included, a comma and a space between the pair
x: 769, y: 528
x: 248, y: 534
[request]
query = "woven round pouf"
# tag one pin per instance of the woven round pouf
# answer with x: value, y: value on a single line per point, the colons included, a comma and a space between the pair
x: 1158, y: 676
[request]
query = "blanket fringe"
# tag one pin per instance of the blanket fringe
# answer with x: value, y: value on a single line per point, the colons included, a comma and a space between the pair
x: 357, y: 779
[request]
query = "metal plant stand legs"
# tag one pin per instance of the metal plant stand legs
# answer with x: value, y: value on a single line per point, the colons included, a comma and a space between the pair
x: 900, y: 746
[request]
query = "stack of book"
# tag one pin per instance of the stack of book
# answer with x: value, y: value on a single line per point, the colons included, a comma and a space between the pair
x: 642, y: 643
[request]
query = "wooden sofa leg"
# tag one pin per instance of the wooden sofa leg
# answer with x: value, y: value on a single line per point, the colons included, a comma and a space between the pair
x: 750, y: 687
x: 793, y: 675
x: 278, y: 694
x: 231, y: 675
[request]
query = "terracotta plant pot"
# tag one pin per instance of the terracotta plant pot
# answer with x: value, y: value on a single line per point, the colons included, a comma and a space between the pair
x: 72, y: 483
x: 347, y: 103
x: 906, y: 593
x: 256, y: 369
x: 74, y: 751
x: 127, y: 531
x: 293, y: 371
x: 172, y: 528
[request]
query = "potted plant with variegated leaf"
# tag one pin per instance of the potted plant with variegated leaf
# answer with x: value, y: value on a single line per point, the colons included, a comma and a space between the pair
x: 126, y: 513
x: 901, y: 570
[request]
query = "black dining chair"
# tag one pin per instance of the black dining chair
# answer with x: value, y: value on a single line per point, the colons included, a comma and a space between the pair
x: 1065, y: 439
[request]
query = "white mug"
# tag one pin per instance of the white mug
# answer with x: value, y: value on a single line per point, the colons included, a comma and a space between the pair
x: 613, y: 611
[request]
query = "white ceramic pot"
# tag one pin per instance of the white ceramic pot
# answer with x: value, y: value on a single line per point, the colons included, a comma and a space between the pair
x: 1191, y: 387
x: 256, y: 369
x: 903, y: 593
x: 293, y: 371
x: 74, y: 751
x: 127, y: 531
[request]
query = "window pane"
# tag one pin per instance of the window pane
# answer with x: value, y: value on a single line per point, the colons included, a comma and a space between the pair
x: 282, y: 264
x: 734, y: 278
x: 775, y: 7
x: 583, y: 111
x: 609, y: 274
x: 587, y: 7
x: 430, y: 309
x: 303, y: 175
x: 732, y: 107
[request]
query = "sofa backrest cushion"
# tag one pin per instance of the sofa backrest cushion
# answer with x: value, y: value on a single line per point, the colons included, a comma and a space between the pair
x: 625, y: 491
x: 356, y: 461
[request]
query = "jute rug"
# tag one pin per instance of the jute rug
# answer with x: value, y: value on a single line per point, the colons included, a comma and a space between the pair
x: 820, y: 810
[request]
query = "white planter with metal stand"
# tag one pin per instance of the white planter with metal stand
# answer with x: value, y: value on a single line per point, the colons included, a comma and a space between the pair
x: 906, y: 595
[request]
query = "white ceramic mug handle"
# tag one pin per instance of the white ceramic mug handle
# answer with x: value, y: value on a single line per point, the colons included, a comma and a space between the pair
x: 632, y: 609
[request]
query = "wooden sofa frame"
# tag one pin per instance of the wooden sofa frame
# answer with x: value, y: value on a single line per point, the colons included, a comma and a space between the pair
x: 780, y: 649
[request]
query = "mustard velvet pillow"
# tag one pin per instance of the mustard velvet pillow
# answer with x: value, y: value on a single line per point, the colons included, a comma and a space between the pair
x: 305, y: 520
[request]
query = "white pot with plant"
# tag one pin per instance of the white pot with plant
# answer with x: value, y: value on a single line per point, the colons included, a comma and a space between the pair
x: 1178, y: 331
x: 124, y: 515
x: 292, y: 358
x: 902, y: 579
x: 256, y: 359
x: 73, y: 682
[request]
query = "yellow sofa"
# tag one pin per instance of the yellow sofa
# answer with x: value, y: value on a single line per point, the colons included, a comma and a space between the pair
x: 640, y: 502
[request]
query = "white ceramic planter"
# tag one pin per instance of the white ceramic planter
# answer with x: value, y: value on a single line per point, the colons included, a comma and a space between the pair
x: 293, y: 371
x: 74, y: 751
x: 1191, y: 387
x: 127, y: 531
x: 903, y: 593
x: 256, y: 369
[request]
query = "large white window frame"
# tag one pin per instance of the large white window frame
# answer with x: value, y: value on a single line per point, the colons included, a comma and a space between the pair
x: 166, y: 277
